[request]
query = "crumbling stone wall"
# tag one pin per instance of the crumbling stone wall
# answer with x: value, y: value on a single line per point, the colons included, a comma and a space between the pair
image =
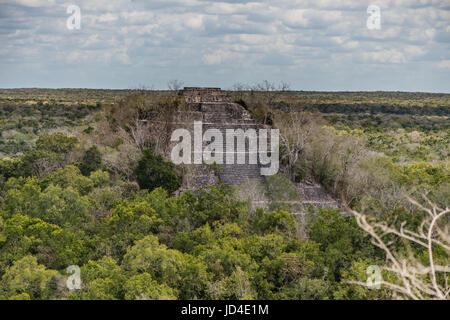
x: 198, y: 95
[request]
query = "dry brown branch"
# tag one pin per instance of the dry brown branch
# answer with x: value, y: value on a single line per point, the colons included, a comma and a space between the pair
x: 413, y: 280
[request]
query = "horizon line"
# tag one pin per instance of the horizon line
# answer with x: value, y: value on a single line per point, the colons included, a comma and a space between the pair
x: 230, y: 90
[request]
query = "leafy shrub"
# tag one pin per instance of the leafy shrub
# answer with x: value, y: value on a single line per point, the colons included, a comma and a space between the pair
x: 9, y: 167
x: 69, y: 176
x: 57, y: 143
x: 92, y: 161
x: 100, y: 178
x: 153, y: 172
x: 27, y: 279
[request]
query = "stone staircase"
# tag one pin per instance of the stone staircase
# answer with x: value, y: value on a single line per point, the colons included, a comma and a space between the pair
x: 238, y: 174
x: 228, y: 115
x: 313, y: 194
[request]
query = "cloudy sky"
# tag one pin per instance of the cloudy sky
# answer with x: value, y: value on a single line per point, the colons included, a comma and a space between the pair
x: 311, y: 44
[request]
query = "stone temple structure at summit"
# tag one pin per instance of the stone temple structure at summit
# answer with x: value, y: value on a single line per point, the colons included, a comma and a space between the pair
x: 198, y: 95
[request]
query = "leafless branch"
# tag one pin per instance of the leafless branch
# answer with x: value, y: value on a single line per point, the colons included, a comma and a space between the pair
x: 413, y: 280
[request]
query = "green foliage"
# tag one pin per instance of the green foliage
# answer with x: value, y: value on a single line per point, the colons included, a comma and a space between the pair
x: 99, y: 178
x: 70, y: 176
x: 215, y: 203
x: 358, y: 272
x: 152, y: 246
x: 153, y: 172
x: 26, y: 279
x: 130, y: 220
x: 58, y: 199
x: 92, y: 161
x: 103, y: 280
x: 8, y: 168
x: 305, y: 289
x: 424, y: 174
x: 275, y: 221
x: 179, y: 271
x: 143, y: 287
x: 58, y: 143
x: 341, y: 240
x: 51, y: 245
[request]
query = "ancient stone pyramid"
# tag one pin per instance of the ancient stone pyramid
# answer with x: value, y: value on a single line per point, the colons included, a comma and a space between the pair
x: 216, y: 110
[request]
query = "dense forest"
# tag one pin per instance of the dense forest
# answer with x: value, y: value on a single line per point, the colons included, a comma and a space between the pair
x: 83, y: 182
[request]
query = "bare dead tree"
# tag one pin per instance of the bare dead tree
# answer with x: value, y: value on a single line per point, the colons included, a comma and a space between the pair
x: 267, y: 89
x: 144, y: 133
x: 295, y: 130
x: 43, y: 167
x: 265, y: 86
x: 413, y: 280
x: 351, y: 150
x: 284, y: 86
x: 140, y: 133
x: 175, y: 85
x: 239, y: 89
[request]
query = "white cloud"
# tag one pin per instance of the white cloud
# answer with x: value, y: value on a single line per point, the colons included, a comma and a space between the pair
x: 194, y: 21
x: 32, y: 3
x: 178, y: 36
x: 445, y: 64
x: 107, y: 17
x: 385, y: 56
x: 218, y: 57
